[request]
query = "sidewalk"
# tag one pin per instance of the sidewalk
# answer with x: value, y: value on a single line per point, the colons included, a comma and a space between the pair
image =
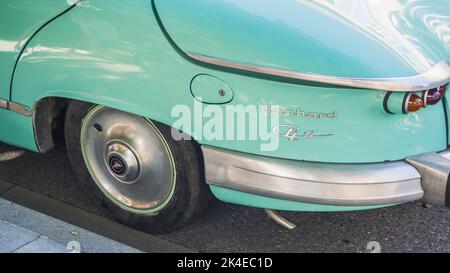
x: 23, y: 230
x: 18, y: 240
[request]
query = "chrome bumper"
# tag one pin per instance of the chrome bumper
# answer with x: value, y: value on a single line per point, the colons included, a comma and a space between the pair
x: 424, y: 176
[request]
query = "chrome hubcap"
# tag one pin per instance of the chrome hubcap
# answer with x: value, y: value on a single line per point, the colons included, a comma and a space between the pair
x: 122, y: 162
x: 128, y: 159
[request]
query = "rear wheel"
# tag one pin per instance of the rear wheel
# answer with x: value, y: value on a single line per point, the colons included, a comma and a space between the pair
x: 133, y: 169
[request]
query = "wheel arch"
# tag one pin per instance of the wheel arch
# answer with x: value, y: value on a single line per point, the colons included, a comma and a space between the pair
x: 49, y: 111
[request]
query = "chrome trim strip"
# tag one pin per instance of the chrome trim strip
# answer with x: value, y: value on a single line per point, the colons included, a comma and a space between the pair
x: 316, y: 183
x: 15, y: 107
x: 20, y: 109
x: 437, y: 76
x: 3, y: 104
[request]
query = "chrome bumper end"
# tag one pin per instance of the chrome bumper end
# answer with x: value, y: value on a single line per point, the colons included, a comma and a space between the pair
x: 424, y: 176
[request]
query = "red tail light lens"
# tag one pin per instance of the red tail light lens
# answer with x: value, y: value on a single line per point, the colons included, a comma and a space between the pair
x: 432, y: 96
x: 413, y: 103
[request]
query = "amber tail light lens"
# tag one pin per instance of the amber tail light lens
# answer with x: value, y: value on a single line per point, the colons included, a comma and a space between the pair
x: 413, y: 103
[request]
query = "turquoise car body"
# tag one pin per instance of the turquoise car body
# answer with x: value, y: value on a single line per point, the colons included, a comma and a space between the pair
x: 135, y: 56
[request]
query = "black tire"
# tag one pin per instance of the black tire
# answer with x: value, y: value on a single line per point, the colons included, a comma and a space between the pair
x: 191, y: 193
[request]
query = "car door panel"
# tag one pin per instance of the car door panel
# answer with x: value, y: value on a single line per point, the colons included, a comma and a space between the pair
x: 19, y: 20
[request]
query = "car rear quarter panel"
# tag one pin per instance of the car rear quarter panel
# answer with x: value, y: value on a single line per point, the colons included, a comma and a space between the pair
x: 114, y: 53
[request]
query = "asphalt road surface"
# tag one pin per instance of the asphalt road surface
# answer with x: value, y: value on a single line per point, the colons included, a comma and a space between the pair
x: 229, y: 228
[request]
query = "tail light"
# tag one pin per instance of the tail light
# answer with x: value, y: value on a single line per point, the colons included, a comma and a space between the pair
x: 404, y: 103
x: 413, y: 103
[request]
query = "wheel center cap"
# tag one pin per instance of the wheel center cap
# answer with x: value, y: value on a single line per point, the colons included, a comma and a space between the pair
x: 117, y: 165
x: 122, y: 162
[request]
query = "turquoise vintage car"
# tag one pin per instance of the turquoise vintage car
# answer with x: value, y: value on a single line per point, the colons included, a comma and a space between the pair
x: 353, y: 92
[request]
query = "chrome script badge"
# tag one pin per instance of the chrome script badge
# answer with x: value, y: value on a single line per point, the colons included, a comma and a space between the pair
x: 294, y: 133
